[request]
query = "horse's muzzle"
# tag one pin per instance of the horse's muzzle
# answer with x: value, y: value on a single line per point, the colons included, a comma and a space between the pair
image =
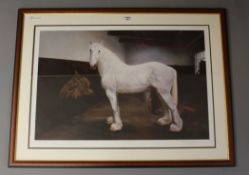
x: 94, y: 67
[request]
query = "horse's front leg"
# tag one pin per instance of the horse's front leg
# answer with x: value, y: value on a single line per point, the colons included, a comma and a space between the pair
x: 117, y: 124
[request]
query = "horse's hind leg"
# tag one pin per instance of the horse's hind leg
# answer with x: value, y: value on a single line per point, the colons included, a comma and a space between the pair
x: 148, y: 100
x: 177, y: 124
x: 109, y: 120
x: 165, y: 119
x: 116, y: 122
x: 167, y: 116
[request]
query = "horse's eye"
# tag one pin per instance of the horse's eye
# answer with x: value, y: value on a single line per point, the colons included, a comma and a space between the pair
x: 98, y: 51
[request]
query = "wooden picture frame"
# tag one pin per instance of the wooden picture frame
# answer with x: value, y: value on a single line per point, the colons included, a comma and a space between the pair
x: 59, y: 105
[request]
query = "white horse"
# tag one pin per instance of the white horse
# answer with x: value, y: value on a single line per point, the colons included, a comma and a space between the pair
x: 118, y: 77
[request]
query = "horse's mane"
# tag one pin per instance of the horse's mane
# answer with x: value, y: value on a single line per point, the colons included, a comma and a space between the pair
x: 109, y: 51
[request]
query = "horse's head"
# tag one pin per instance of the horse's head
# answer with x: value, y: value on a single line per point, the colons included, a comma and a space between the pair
x: 95, y: 53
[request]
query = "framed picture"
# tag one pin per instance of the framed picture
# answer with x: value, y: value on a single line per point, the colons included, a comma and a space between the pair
x: 121, y: 87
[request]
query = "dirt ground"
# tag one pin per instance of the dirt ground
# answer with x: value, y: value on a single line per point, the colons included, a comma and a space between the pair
x: 84, y: 118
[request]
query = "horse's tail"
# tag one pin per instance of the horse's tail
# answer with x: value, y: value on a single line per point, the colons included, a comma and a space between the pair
x: 174, y: 90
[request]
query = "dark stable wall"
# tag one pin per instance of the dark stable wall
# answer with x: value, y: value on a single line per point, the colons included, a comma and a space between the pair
x: 238, y: 27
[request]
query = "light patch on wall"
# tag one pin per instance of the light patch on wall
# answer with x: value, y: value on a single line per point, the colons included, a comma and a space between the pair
x: 137, y: 54
x: 73, y: 45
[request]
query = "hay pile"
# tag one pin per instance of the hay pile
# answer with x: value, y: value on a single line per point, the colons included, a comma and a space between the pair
x: 76, y: 87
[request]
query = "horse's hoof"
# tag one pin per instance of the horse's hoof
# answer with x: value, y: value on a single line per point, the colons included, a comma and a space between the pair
x: 109, y: 120
x: 164, y: 121
x: 175, y: 128
x: 116, y: 127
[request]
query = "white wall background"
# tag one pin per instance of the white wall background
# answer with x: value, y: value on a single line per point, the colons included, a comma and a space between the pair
x: 238, y: 27
x: 73, y: 45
